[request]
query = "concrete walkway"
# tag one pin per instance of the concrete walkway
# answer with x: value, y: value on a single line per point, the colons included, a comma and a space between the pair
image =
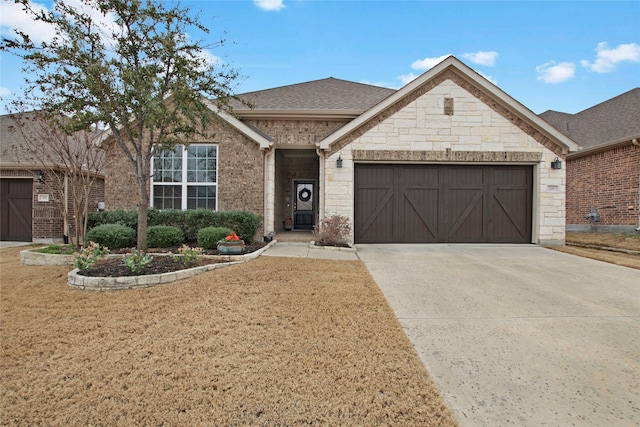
x: 303, y: 250
x: 8, y: 244
x: 519, y: 335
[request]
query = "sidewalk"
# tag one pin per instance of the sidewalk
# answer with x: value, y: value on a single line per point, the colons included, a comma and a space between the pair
x: 303, y: 250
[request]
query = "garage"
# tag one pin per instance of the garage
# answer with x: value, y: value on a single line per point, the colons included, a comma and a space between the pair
x: 442, y: 203
x: 16, y: 202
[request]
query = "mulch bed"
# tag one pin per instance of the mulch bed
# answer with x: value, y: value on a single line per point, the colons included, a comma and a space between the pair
x: 114, y: 267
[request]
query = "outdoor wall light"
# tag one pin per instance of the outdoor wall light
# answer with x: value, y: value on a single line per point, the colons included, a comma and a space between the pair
x: 339, y: 162
x: 40, y: 176
x: 556, y: 164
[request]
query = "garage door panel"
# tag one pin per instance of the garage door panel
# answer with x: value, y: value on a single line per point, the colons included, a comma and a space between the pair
x: 465, y: 215
x: 374, y: 216
x: 16, y: 201
x: 419, y: 213
x: 443, y: 203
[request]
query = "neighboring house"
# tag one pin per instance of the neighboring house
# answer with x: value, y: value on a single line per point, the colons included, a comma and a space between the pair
x: 603, y: 179
x: 30, y: 206
x: 448, y: 158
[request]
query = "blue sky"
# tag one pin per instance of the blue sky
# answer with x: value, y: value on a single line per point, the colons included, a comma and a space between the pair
x: 559, y: 55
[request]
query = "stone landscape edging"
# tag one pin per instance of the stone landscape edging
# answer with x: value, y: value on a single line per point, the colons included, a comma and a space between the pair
x: 135, y: 282
x: 313, y: 245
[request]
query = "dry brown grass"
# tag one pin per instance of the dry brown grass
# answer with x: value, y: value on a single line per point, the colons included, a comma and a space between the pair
x: 275, y: 341
x: 609, y: 240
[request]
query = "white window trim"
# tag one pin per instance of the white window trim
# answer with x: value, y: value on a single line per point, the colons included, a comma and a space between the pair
x: 183, y: 183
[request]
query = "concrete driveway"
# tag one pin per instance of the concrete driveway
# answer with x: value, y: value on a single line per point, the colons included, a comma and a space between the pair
x: 516, y: 334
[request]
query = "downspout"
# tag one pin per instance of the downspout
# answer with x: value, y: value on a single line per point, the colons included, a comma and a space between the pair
x: 66, y: 210
x: 321, y: 190
x: 269, y: 223
x: 635, y: 142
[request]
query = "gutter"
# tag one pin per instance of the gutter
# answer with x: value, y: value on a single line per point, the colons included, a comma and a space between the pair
x: 635, y: 140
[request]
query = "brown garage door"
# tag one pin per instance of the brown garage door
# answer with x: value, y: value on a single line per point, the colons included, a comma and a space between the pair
x: 442, y: 204
x: 15, y: 205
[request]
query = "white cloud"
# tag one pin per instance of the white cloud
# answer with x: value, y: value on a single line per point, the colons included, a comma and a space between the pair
x: 12, y: 17
x: 269, y: 4
x: 426, y: 63
x: 4, y: 91
x: 209, y: 58
x: 407, y: 78
x: 607, y: 59
x: 482, y: 58
x: 488, y: 77
x: 552, y: 72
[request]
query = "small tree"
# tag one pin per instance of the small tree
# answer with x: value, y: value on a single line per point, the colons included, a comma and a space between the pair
x: 130, y: 65
x: 71, y: 162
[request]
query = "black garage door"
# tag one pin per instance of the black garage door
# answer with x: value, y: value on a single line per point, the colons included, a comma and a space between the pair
x: 442, y: 204
x: 15, y: 205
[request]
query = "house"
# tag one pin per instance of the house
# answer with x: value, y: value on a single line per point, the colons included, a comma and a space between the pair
x: 603, y: 179
x: 447, y: 158
x: 34, y: 183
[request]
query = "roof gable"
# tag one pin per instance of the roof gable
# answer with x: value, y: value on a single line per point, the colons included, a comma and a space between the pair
x: 453, y: 68
x: 612, y: 120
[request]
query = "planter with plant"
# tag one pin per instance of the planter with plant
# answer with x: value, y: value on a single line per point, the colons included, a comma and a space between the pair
x: 231, y: 245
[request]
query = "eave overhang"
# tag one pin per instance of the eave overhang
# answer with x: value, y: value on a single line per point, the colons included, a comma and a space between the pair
x: 298, y: 114
x: 621, y: 142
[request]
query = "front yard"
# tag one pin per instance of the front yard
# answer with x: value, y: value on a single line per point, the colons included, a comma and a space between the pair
x: 598, y: 246
x: 275, y: 341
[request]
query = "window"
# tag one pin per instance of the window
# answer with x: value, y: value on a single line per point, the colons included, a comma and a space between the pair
x: 185, y: 178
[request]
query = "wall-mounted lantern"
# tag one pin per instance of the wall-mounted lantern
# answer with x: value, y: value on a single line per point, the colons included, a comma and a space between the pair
x: 556, y: 164
x: 40, y: 176
x: 339, y: 162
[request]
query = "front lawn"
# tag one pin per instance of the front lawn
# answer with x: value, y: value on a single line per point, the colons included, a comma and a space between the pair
x: 274, y: 341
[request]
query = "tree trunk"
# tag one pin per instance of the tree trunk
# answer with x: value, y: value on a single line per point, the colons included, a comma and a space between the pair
x: 143, y: 207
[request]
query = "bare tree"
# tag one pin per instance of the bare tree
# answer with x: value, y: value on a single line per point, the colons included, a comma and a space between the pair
x: 71, y: 162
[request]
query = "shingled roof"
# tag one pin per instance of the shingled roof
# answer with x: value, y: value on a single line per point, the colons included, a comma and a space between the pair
x: 17, y: 151
x: 321, y: 95
x: 609, y: 121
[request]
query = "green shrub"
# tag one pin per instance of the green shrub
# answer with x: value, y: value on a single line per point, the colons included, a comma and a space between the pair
x: 114, y: 236
x: 164, y: 236
x: 136, y: 261
x: 208, y: 237
x: 128, y: 218
x: 89, y: 255
x: 197, y: 219
x: 244, y: 223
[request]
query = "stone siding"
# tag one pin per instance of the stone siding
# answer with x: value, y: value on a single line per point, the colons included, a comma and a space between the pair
x: 422, y: 126
x: 602, y: 180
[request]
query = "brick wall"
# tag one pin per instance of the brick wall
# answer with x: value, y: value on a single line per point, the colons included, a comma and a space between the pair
x: 606, y: 178
x: 47, y: 218
x: 298, y: 132
x: 240, y: 173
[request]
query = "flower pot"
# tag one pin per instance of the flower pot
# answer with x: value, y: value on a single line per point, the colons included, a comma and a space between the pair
x: 233, y: 247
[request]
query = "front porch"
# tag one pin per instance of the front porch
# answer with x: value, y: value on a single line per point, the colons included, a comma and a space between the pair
x: 302, y: 236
